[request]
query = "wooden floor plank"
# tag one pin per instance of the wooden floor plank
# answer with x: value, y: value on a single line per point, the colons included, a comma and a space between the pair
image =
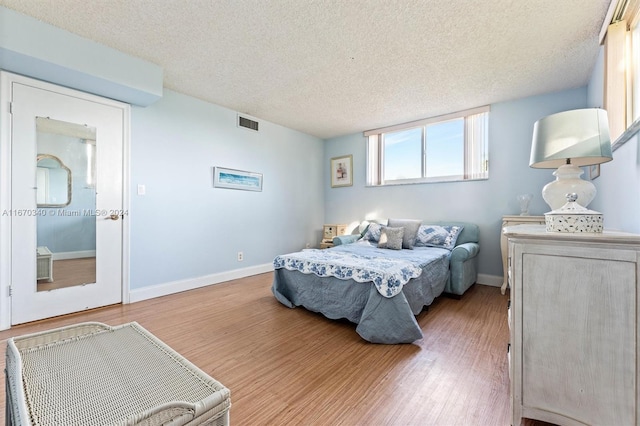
x: 69, y: 273
x: 292, y: 366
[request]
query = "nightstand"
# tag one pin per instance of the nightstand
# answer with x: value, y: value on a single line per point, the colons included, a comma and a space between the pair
x: 511, y: 221
x: 329, y: 231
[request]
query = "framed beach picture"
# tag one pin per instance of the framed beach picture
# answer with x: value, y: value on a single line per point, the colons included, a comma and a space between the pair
x: 236, y: 179
x: 342, y: 171
x: 594, y: 171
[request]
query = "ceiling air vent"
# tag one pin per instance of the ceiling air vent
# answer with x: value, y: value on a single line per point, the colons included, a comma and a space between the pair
x: 247, y: 123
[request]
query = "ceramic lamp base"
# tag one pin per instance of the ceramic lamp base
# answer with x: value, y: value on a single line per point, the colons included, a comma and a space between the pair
x: 568, y: 181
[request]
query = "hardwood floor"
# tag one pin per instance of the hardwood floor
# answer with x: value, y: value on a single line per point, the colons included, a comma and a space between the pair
x: 292, y: 366
x: 70, y: 272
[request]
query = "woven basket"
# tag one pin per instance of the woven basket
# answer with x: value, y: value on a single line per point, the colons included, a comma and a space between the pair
x: 94, y: 374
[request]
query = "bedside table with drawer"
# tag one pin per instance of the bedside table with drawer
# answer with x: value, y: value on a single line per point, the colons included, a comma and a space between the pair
x: 329, y: 231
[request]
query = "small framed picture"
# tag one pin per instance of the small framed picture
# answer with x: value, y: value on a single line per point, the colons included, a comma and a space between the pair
x: 236, y: 179
x: 342, y: 171
x: 594, y: 171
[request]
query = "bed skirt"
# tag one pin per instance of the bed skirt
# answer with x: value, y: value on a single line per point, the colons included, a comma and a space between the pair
x: 379, y: 319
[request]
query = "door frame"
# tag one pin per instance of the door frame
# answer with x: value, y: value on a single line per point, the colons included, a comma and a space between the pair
x: 6, y: 80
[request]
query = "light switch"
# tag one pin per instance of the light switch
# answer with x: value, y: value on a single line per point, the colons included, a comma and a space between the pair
x: 141, y: 189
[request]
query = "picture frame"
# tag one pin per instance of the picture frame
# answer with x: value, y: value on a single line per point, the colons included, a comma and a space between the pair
x: 594, y: 171
x: 236, y: 179
x: 341, y: 171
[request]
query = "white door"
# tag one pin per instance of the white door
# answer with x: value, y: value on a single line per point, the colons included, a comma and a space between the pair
x: 66, y: 201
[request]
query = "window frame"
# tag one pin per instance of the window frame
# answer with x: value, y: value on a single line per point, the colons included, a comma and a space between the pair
x: 620, y: 35
x: 375, y: 150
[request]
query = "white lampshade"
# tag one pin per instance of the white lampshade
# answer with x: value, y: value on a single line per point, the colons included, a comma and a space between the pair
x: 566, y: 141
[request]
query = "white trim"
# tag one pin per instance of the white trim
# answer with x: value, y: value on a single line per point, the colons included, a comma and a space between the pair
x: 633, y: 14
x: 615, y: 83
x: 475, y: 158
x: 442, y: 179
x: 126, y: 202
x: 5, y: 200
x: 619, y: 10
x: 50, y: 125
x: 65, y: 255
x: 425, y: 121
x: 150, y: 292
x: 490, y: 280
x: 607, y: 19
x: 6, y: 80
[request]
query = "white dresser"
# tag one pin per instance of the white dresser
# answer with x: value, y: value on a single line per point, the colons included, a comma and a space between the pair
x: 573, y: 326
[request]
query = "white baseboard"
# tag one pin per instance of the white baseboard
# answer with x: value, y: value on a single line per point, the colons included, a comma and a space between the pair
x: 137, y: 295
x: 73, y: 254
x: 165, y: 289
x: 491, y: 280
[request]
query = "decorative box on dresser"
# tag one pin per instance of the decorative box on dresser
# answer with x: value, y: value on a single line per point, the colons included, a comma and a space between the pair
x: 573, y: 319
x: 512, y: 220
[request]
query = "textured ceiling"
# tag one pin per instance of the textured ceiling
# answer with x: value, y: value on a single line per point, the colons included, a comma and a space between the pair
x: 335, y: 67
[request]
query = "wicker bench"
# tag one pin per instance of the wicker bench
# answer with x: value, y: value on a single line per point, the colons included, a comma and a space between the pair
x: 94, y: 374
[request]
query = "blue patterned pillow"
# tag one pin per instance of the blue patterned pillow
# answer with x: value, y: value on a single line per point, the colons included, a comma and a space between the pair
x: 373, y: 233
x: 438, y: 236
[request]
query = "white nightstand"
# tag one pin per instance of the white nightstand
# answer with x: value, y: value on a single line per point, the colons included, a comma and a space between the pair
x: 329, y: 231
x: 511, y: 220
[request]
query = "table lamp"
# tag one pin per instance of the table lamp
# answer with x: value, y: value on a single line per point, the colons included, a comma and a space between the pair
x: 566, y: 141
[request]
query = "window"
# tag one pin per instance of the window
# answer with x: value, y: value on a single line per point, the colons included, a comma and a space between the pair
x: 634, y: 66
x: 452, y: 147
x: 621, y: 38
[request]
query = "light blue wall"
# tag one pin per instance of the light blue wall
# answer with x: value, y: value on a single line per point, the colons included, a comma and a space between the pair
x: 618, y: 197
x: 595, y: 88
x: 482, y: 202
x: 39, y: 50
x: 183, y: 227
x: 72, y: 228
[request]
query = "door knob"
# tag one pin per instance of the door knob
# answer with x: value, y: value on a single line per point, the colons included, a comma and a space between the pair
x: 113, y: 217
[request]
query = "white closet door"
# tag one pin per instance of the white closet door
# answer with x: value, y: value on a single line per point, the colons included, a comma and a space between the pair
x: 48, y: 121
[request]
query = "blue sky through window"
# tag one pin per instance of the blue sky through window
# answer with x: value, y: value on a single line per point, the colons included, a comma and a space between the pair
x: 402, y: 154
x: 445, y: 148
x: 445, y: 151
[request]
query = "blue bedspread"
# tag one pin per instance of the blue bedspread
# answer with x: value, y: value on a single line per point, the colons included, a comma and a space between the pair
x: 329, y: 288
x: 363, y: 262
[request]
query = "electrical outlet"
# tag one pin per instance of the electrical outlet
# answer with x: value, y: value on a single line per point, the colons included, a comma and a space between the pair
x: 240, y: 256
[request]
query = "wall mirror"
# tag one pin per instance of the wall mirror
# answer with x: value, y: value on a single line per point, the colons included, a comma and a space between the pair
x: 53, y: 182
x: 66, y: 191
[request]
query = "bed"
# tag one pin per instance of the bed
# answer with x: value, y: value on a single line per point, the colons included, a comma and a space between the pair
x: 379, y: 289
